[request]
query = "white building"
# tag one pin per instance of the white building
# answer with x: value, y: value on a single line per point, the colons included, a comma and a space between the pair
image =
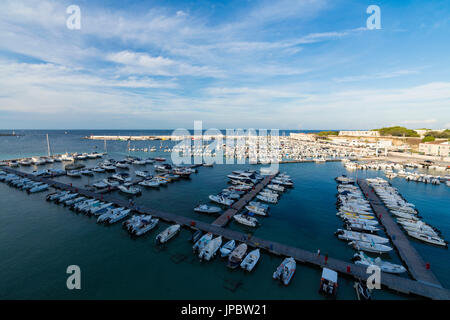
x: 360, y: 133
x: 435, y: 148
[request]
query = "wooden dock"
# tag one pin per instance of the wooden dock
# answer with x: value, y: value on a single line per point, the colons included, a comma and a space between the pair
x: 223, y: 220
x: 403, y: 285
x: 409, y: 255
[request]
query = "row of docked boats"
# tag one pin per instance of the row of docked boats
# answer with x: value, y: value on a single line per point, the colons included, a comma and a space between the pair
x: 22, y: 183
x: 406, y: 214
x: 360, y: 222
x: 406, y: 171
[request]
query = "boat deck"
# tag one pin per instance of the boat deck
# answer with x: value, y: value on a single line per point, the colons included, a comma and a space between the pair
x: 238, y: 205
x: 403, y: 285
x: 409, y: 255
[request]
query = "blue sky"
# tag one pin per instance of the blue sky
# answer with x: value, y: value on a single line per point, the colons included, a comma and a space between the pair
x: 299, y: 64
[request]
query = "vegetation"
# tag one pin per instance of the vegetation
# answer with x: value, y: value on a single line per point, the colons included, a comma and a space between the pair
x: 440, y: 135
x: 428, y: 139
x: 327, y: 133
x: 397, y: 131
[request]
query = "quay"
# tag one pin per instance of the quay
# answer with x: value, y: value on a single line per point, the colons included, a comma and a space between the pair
x: 428, y: 289
x: 409, y: 255
x: 237, y: 206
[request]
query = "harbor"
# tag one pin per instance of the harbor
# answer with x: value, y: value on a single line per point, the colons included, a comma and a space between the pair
x: 425, y: 284
x: 84, y: 173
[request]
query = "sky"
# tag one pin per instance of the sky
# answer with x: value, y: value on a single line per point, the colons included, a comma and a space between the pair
x: 163, y: 64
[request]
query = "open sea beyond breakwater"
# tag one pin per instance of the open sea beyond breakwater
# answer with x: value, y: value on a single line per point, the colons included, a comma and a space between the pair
x: 39, y: 239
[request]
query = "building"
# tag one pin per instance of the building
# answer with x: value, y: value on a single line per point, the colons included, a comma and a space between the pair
x: 435, y: 148
x: 302, y: 136
x: 360, y: 133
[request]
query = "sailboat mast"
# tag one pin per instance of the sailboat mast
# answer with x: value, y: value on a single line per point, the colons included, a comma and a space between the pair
x: 48, y: 146
x: 104, y: 147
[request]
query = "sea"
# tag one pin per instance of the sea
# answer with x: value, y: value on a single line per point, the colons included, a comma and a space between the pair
x: 40, y: 239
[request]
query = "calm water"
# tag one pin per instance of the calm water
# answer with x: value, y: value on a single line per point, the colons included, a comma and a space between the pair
x: 40, y: 239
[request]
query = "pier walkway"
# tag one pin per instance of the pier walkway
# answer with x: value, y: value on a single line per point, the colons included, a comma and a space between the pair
x: 393, y: 282
x: 409, y: 255
x: 237, y: 206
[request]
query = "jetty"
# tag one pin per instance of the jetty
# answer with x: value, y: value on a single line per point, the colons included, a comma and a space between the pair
x: 238, y: 205
x: 423, y: 285
x: 408, y: 254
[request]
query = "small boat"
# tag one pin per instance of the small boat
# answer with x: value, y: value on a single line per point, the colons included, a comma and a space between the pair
x: 98, y: 169
x: 267, y: 199
x: 235, y: 257
x: 202, y: 242
x: 153, y: 183
x: 130, y: 190
x: 245, y: 219
x: 359, y: 236
x: 119, y: 215
x: 276, y: 187
x: 362, y: 292
x: 168, y: 234
x: 210, y: 249
x: 427, y: 238
x: 250, y: 260
x: 87, y: 172
x: 74, y: 173
x: 361, y: 258
x: 204, y: 208
x: 143, y: 174
x: 328, y: 282
x: 39, y: 188
x: 362, y: 227
x: 100, y: 185
x: 256, y: 210
x: 221, y: 200
x: 370, y: 246
x: 227, y: 248
x: 285, y: 271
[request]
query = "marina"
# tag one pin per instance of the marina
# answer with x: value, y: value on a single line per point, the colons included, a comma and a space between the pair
x: 425, y: 285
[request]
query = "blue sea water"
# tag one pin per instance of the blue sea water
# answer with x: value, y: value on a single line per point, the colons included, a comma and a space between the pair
x: 40, y: 239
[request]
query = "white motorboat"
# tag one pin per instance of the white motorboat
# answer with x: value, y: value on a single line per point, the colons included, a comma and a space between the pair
x: 117, y: 216
x: 74, y: 173
x: 210, y: 249
x: 150, y: 183
x: 362, y: 227
x: 259, y: 205
x: 359, y: 236
x: 370, y: 246
x: 202, y: 242
x: 285, y: 270
x: 221, y: 200
x: 256, y: 210
x: 143, y: 174
x: 130, y: 190
x: 266, y: 199
x: 361, y: 258
x: 98, y: 169
x: 38, y: 188
x: 168, y: 234
x: 204, y: 208
x: 100, y: 209
x: 276, y: 187
x: 227, y: 248
x: 100, y: 185
x: 250, y: 260
x: 245, y: 219
x: 328, y: 282
x: 235, y: 257
x: 427, y: 238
